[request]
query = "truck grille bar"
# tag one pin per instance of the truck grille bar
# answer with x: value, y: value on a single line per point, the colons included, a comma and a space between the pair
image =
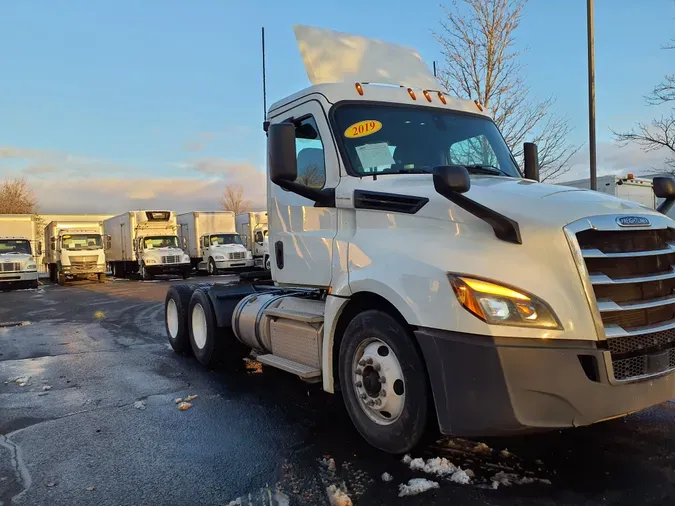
x: 172, y: 259
x: 631, y: 273
x: 10, y: 266
x: 237, y: 255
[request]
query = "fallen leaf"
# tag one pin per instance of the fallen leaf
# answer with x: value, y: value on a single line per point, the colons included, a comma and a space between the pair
x: 91, y: 489
x: 191, y: 398
x: 184, y: 406
x: 99, y: 314
x: 46, y: 387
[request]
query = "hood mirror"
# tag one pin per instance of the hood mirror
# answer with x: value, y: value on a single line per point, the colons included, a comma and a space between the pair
x: 451, y: 177
x: 664, y: 188
x: 531, y: 160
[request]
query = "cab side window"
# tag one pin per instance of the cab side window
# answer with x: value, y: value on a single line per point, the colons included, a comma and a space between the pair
x: 310, y: 154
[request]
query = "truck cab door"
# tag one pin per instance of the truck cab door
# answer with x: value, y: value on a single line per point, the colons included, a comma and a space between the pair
x: 302, y: 234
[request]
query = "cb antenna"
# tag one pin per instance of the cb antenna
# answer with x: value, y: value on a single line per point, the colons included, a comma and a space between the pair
x: 263, y: 76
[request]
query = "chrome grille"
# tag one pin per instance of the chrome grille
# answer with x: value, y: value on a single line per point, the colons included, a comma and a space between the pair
x: 237, y: 255
x: 10, y: 266
x: 632, y: 276
x: 172, y: 259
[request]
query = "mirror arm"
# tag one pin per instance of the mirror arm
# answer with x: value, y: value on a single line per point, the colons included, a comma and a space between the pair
x: 321, y: 198
x: 505, y: 228
x: 666, y: 205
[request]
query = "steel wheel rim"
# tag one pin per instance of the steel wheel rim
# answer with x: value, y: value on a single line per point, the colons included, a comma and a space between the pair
x: 172, y: 318
x: 211, y: 270
x: 378, y: 381
x: 199, y: 326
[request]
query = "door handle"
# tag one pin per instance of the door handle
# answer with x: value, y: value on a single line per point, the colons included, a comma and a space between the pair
x: 279, y: 254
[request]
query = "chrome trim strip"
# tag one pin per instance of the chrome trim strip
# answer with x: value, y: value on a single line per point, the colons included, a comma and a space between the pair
x: 605, y: 306
x: 596, y: 253
x: 613, y: 331
x: 604, y: 279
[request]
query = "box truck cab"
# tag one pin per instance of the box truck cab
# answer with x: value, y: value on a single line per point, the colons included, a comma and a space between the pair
x: 261, y: 247
x: 247, y: 225
x: 419, y: 273
x: 145, y: 242
x: 75, y: 251
x: 211, y: 240
x: 19, y: 248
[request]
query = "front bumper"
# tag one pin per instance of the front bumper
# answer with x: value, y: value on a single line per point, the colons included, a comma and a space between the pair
x: 83, y: 269
x: 18, y: 276
x: 234, y: 264
x: 485, y: 386
x: 169, y: 268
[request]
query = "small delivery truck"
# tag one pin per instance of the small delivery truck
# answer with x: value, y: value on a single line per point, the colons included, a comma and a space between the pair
x: 75, y: 250
x: 145, y: 242
x: 640, y: 190
x: 252, y: 227
x: 211, y: 240
x: 18, y: 248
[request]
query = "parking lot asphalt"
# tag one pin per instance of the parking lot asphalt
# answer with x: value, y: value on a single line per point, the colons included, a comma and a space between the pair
x: 88, y: 386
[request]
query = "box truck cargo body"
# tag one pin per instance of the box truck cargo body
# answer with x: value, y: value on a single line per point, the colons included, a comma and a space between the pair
x: 75, y: 250
x: 18, y: 248
x: 211, y: 241
x: 252, y: 227
x: 638, y: 190
x: 145, y: 241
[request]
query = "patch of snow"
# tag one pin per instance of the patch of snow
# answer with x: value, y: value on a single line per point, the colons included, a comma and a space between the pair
x: 139, y: 404
x: 386, y: 477
x: 337, y: 497
x: 439, y: 466
x: 46, y: 388
x: 481, y: 448
x: 508, y: 479
x: 416, y: 486
x: 505, y: 453
x: 329, y: 464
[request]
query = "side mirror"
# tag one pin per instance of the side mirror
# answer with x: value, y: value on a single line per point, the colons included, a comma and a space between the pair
x: 281, y: 155
x: 183, y: 241
x: 664, y: 188
x: 531, y: 157
x: 108, y: 242
x: 451, y: 177
x: 53, y: 246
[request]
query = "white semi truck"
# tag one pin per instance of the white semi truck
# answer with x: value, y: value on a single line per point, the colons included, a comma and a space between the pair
x: 212, y: 242
x: 145, y: 241
x: 18, y: 248
x: 74, y: 250
x: 421, y: 274
x: 629, y: 188
x: 252, y: 227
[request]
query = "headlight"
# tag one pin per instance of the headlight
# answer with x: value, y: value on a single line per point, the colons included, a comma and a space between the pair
x: 30, y: 267
x: 219, y: 257
x: 249, y: 255
x: 501, y: 305
x: 186, y: 258
x: 151, y: 261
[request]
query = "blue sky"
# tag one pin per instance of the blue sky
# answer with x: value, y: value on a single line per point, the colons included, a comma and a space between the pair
x: 168, y: 89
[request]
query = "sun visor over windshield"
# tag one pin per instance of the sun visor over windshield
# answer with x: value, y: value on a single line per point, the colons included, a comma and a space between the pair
x: 332, y: 57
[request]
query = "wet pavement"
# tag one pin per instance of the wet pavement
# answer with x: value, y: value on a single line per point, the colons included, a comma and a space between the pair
x: 87, y: 416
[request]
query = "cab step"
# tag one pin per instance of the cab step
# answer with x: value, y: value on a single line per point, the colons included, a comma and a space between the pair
x: 292, y: 314
x: 303, y: 371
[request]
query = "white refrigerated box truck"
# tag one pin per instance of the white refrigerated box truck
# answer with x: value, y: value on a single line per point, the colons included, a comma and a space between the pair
x: 419, y: 273
x: 212, y: 242
x: 638, y: 190
x: 18, y: 249
x: 145, y: 241
x: 252, y: 227
x: 74, y: 250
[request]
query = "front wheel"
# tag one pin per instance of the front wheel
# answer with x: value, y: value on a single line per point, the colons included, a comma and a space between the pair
x: 268, y: 264
x: 145, y: 275
x: 211, y: 268
x: 383, y: 382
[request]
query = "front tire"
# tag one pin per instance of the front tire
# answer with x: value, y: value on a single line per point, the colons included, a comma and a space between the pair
x: 101, y: 277
x: 212, y: 269
x: 383, y: 382
x: 145, y: 275
x: 268, y: 263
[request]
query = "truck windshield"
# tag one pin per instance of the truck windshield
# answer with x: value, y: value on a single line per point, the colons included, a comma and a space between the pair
x: 220, y: 239
x: 81, y: 241
x: 17, y: 246
x: 164, y: 241
x: 386, y: 139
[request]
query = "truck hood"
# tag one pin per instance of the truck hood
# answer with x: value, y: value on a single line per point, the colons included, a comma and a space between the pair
x: 160, y: 252
x: 228, y: 248
x: 525, y: 201
x: 14, y: 257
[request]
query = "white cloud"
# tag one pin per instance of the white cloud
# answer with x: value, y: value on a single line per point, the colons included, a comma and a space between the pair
x: 615, y: 159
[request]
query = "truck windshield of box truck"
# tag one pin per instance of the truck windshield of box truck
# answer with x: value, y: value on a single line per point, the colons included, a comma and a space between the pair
x: 81, y: 241
x: 18, y: 246
x: 220, y: 239
x: 386, y: 139
x: 164, y: 241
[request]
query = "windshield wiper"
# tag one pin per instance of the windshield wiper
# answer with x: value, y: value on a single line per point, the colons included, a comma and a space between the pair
x: 487, y: 169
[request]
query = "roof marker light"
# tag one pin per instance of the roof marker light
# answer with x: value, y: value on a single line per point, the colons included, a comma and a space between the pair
x: 426, y: 95
x: 442, y: 97
x: 412, y: 94
x: 480, y: 107
x: 359, y: 88
x: 630, y: 176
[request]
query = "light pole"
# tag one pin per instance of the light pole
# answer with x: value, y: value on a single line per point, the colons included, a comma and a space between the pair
x: 591, y: 94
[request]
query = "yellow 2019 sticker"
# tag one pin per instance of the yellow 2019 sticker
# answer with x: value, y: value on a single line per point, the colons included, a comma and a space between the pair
x: 363, y: 128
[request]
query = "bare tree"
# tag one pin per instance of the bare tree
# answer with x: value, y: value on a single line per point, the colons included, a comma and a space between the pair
x: 660, y: 133
x: 312, y: 175
x: 233, y: 199
x: 16, y: 197
x: 477, y: 38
